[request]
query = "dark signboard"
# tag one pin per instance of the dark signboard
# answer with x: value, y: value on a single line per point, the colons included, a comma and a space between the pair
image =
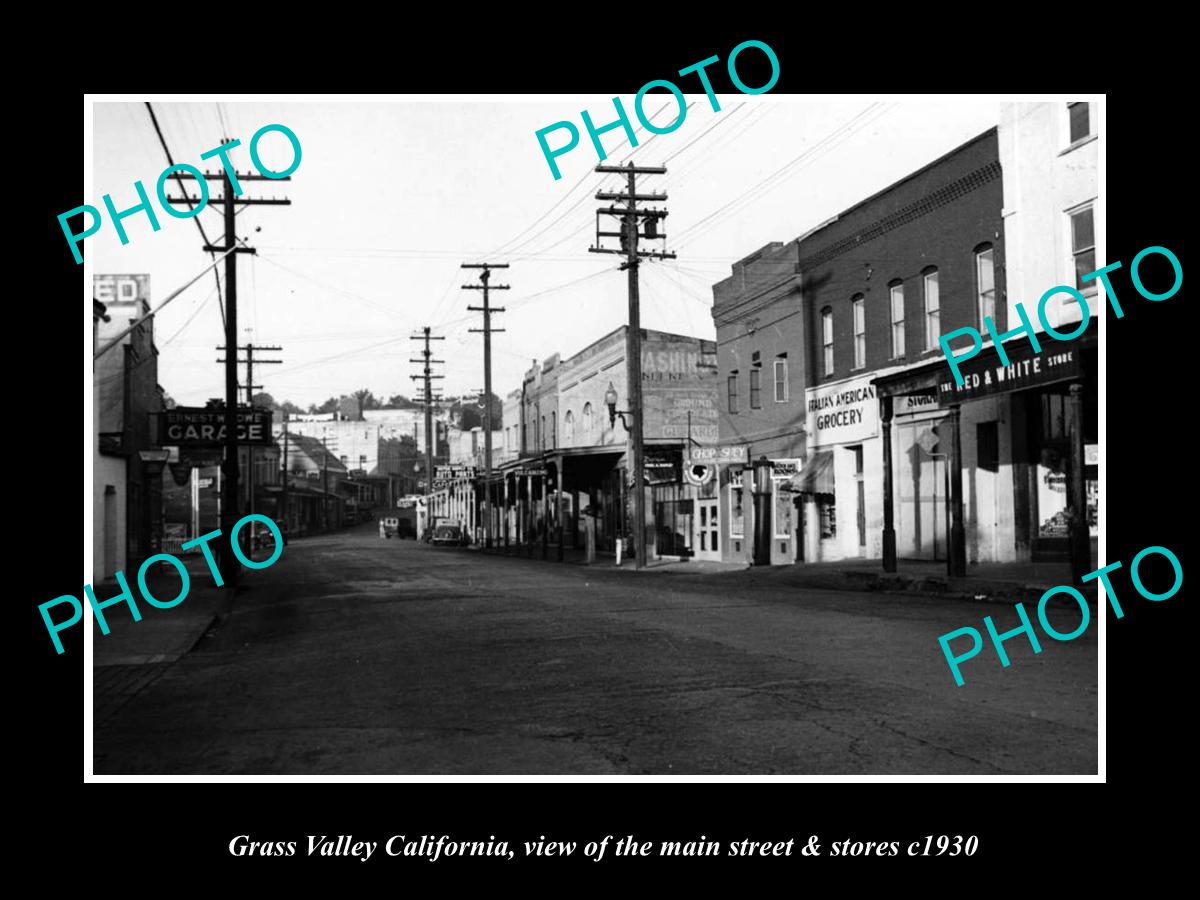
x: 985, y: 376
x: 186, y: 426
x: 663, y: 465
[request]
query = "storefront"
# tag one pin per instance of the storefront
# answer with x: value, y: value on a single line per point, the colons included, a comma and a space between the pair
x: 842, y: 476
x: 1007, y: 460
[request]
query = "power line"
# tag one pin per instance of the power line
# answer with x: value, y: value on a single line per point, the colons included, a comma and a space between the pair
x: 196, y: 218
x: 835, y: 137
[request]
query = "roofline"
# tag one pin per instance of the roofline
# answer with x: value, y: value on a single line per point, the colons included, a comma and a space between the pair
x: 895, y: 184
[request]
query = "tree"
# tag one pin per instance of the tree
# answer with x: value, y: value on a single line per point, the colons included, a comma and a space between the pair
x: 263, y: 399
x: 398, y: 401
x: 290, y: 408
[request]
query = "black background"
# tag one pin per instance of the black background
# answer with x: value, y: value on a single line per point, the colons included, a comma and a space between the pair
x: 120, y: 829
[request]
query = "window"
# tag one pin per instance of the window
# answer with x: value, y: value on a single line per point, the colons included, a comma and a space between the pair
x: 569, y: 429
x: 737, y: 517
x: 896, y: 295
x: 587, y: 422
x: 783, y: 512
x: 827, y: 338
x: 1080, y: 122
x: 756, y: 388
x: 859, y: 305
x: 827, y: 515
x: 933, y: 311
x: 553, y: 429
x: 1083, y: 247
x: 543, y: 441
x: 985, y: 283
x: 731, y: 382
x: 781, y: 385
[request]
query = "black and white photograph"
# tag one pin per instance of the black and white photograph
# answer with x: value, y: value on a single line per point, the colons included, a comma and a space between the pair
x: 707, y: 431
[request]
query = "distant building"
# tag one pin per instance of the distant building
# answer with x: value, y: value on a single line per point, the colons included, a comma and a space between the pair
x: 571, y: 458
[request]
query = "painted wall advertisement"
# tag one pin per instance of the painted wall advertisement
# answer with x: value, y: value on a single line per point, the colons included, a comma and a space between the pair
x: 676, y: 387
x: 842, y: 413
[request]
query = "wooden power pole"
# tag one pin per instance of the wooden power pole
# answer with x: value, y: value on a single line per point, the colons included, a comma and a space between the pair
x: 428, y: 401
x: 487, y: 331
x: 629, y: 215
x: 230, y: 513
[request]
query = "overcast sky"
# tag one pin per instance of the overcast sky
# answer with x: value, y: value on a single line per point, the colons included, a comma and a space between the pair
x: 391, y: 197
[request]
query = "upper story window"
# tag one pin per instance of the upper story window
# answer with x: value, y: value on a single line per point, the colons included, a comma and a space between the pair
x: 1079, y: 121
x: 587, y: 422
x: 896, y: 300
x: 732, y: 387
x: 985, y: 283
x: 543, y: 443
x: 756, y: 388
x: 933, y: 309
x: 827, y: 339
x: 1083, y: 246
x: 553, y: 429
x: 569, y: 429
x: 781, y: 382
x: 859, y: 307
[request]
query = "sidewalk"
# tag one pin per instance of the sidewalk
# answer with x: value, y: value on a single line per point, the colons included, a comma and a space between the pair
x: 997, y: 582
x: 163, y: 635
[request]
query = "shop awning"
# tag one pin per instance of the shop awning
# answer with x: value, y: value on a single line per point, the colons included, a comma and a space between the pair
x: 817, y: 475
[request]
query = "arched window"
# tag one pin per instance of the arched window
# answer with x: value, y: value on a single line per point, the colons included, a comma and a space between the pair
x: 933, y: 308
x: 587, y: 422
x: 569, y: 429
x: 858, y: 306
x: 985, y: 282
x: 896, y: 302
x: 543, y: 443
x: 827, y: 338
x: 553, y: 429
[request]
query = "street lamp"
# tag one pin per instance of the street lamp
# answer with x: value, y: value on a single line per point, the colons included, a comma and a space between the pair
x: 610, y: 400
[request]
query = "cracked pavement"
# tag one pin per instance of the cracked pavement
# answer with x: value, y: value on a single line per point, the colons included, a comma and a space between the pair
x: 355, y: 655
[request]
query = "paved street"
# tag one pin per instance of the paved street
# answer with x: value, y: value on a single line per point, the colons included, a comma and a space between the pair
x: 359, y: 655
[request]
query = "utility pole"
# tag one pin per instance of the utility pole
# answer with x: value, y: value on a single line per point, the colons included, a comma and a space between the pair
x: 428, y: 401
x: 487, y: 331
x: 230, y: 569
x: 325, y: 480
x: 629, y: 215
x: 250, y: 386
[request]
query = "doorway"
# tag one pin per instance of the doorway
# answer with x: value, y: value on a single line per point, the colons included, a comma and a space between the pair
x: 706, y: 540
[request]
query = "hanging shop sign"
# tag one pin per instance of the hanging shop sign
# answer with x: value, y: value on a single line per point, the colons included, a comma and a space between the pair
x: 187, y: 426
x: 450, y: 473
x: 530, y: 471
x: 719, y: 454
x: 662, y: 465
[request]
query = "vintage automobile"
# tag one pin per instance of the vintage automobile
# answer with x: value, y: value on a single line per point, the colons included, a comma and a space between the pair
x: 449, y: 536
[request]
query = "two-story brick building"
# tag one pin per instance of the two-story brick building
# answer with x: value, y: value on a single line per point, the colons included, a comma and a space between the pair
x: 865, y: 295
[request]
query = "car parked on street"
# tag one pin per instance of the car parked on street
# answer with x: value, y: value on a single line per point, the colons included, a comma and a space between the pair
x: 449, y: 536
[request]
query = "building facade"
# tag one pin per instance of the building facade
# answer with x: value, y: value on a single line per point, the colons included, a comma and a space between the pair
x: 127, y: 481
x: 570, y: 475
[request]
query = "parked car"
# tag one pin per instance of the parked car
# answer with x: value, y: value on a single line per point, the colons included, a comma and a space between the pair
x: 449, y: 536
x: 261, y: 536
